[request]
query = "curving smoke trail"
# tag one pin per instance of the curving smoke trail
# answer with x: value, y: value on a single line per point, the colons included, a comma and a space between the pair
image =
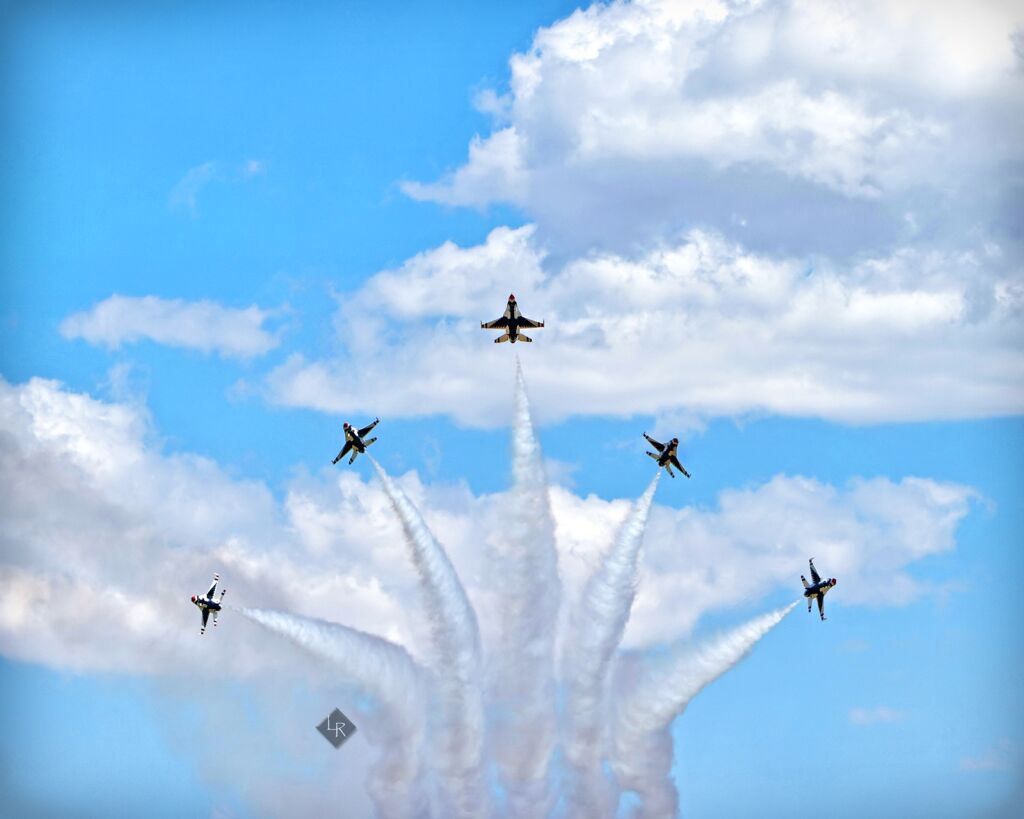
x: 519, y: 727
x: 388, y: 674
x: 664, y: 687
x: 456, y: 642
x: 596, y: 632
x: 529, y: 593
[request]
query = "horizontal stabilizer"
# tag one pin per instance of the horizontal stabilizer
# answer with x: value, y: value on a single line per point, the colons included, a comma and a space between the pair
x: 501, y: 338
x: 521, y: 337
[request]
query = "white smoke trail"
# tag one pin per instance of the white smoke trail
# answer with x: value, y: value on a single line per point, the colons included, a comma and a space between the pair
x: 456, y: 641
x: 388, y: 674
x: 529, y: 591
x: 643, y: 743
x: 596, y: 632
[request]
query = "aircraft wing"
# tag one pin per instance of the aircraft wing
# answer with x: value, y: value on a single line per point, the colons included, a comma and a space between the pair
x: 530, y: 323
x: 814, y: 572
x: 206, y: 616
x: 679, y: 466
x: 497, y: 324
x: 213, y: 587
x: 655, y: 444
x: 368, y: 427
x: 821, y: 605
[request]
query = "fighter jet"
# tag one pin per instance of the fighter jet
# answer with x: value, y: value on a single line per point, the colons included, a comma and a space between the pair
x: 207, y: 604
x: 666, y: 455
x: 511, y: 323
x: 819, y: 589
x: 354, y: 441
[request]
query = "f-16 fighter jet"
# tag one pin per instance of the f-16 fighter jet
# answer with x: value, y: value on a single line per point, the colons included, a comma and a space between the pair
x: 207, y: 604
x: 819, y: 589
x: 511, y: 323
x: 354, y: 441
x: 666, y: 455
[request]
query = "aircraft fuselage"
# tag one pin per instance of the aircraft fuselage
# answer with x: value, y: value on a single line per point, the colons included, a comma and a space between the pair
x: 668, y: 453
x: 818, y: 589
x: 511, y: 322
x: 352, y: 436
x: 513, y: 315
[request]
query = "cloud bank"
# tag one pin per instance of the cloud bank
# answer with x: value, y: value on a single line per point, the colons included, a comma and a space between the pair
x: 100, y: 529
x: 699, y: 325
x: 629, y: 117
x: 97, y: 517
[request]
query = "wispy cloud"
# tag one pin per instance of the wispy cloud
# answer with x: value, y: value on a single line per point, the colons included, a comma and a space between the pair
x: 198, y: 325
x: 875, y: 716
x: 254, y: 167
x: 185, y: 194
x: 999, y: 758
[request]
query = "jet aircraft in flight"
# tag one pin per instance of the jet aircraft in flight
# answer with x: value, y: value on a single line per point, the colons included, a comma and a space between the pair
x: 818, y: 590
x: 666, y: 455
x: 207, y: 604
x: 354, y: 441
x: 511, y: 322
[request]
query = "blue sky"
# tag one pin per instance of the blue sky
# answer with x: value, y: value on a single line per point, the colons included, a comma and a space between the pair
x: 736, y: 234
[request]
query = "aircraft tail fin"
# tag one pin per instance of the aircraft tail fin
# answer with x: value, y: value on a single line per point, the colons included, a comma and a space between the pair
x: 521, y: 337
x: 501, y: 338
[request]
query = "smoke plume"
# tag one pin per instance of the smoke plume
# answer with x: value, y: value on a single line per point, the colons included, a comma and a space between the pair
x: 386, y: 673
x: 440, y: 766
x: 661, y: 689
x: 529, y: 592
x: 456, y: 644
x: 596, y: 632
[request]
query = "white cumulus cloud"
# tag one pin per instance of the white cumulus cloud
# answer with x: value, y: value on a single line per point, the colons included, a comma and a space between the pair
x: 627, y: 117
x: 697, y: 325
x: 97, y: 519
x: 197, y: 325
